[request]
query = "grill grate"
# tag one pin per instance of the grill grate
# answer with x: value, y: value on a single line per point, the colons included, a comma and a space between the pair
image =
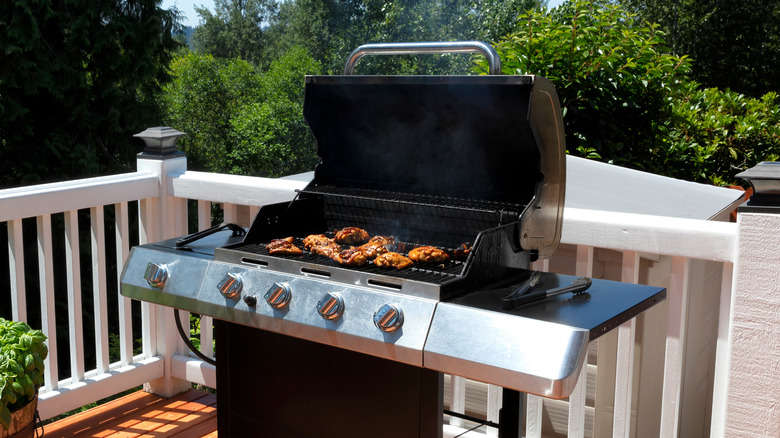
x: 429, y: 273
x: 438, y: 221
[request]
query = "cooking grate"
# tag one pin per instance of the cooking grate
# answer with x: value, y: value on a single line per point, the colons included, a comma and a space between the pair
x: 437, y: 221
x: 429, y: 273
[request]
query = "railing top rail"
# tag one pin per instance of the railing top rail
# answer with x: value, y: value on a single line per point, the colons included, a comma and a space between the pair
x: 50, y: 198
x: 692, y: 238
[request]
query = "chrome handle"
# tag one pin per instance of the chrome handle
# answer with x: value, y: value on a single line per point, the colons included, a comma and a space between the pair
x: 156, y: 275
x: 494, y: 62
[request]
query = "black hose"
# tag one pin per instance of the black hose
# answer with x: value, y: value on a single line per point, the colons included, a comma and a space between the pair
x: 187, y: 341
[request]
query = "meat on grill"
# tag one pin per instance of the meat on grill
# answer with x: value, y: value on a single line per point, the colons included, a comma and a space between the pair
x: 321, y: 244
x: 462, y: 253
x: 313, y: 240
x: 392, y: 260
x: 351, y: 236
x: 428, y: 254
x: 372, y: 249
x: 351, y: 257
x: 283, y: 247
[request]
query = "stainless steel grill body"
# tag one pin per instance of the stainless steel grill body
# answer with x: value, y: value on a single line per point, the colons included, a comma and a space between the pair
x: 438, y: 161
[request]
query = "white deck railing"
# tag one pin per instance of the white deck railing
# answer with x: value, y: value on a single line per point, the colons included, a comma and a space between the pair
x: 654, y: 376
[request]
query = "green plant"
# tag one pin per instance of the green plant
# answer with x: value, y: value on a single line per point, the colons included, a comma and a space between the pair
x: 22, y: 351
x: 612, y: 72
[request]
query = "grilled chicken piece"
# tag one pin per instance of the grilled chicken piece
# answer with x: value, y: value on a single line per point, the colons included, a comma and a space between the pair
x: 387, y: 241
x: 428, y: 254
x: 313, y: 240
x: 462, y: 253
x: 351, y: 257
x: 351, y: 236
x: 372, y: 249
x: 321, y: 244
x: 330, y: 250
x: 392, y: 260
x: 283, y: 247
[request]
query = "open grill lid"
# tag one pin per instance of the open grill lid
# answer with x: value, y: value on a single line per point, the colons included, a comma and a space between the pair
x: 493, y: 139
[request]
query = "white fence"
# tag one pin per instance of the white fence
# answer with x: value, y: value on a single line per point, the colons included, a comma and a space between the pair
x: 654, y: 376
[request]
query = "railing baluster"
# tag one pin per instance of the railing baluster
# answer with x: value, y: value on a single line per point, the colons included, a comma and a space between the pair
x: 230, y: 211
x: 621, y: 423
x: 577, y: 399
x: 16, y: 269
x: 73, y: 273
x: 148, y: 310
x: 458, y: 399
x: 720, y: 390
x: 125, y: 315
x: 494, y: 403
x: 534, y: 403
x: 99, y: 285
x: 46, y: 278
x: 206, y: 322
x: 677, y: 296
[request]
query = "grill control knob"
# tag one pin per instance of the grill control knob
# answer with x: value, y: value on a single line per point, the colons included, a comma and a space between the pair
x: 389, y: 318
x: 278, y: 295
x: 156, y: 275
x: 331, y: 306
x: 231, y: 285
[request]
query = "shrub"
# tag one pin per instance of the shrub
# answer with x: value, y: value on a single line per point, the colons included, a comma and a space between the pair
x: 715, y: 134
x: 612, y: 75
x: 626, y: 101
x: 240, y: 120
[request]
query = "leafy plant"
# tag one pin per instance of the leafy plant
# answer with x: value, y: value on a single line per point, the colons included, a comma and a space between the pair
x: 612, y: 72
x: 715, y: 134
x: 22, y: 351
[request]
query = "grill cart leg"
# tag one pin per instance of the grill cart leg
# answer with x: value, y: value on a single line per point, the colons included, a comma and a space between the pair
x: 509, y: 415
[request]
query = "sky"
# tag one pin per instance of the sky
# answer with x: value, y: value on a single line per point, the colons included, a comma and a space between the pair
x: 187, y: 7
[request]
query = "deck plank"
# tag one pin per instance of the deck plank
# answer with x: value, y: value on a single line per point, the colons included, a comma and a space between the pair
x: 188, y: 415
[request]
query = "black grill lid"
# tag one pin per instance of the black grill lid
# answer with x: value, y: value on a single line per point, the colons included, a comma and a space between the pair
x: 491, y: 138
x: 453, y: 136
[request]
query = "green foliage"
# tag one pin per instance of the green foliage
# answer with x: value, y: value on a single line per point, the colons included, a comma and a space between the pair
x: 735, y: 43
x: 271, y: 136
x: 331, y: 29
x: 77, y: 78
x: 716, y: 134
x: 239, y: 120
x: 234, y: 30
x: 627, y: 101
x: 612, y: 74
x: 22, y: 352
x: 201, y: 100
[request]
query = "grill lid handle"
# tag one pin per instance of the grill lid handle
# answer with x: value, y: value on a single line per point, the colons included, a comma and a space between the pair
x: 494, y: 62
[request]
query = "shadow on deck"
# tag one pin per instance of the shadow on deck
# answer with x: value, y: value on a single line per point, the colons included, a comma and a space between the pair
x: 192, y: 414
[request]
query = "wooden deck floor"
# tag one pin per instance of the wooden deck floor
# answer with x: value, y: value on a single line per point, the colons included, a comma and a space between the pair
x: 140, y: 414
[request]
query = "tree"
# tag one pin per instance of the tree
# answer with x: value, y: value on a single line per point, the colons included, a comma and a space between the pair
x: 239, y: 119
x: 735, y: 43
x: 77, y: 79
x: 331, y: 29
x: 626, y: 100
x: 203, y: 97
x: 234, y: 30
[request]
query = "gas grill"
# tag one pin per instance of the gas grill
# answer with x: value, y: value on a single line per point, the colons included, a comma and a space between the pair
x: 309, y: 347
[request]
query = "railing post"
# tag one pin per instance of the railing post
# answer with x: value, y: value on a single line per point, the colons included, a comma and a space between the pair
x: 162, y: 218
x: 745, y: 398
